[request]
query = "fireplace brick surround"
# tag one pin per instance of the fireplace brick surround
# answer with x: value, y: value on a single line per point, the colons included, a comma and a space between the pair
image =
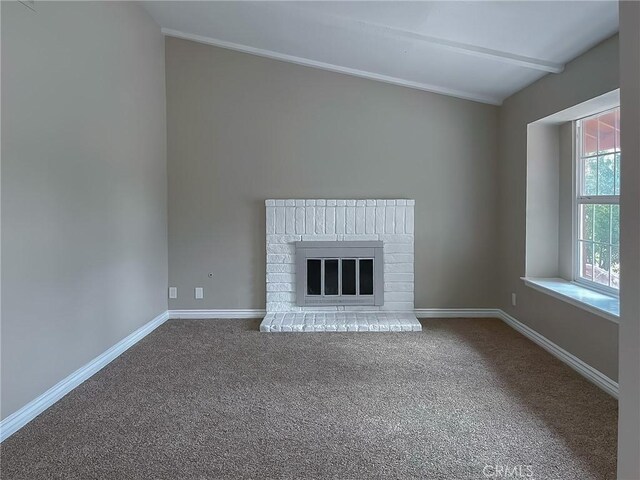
x: 389, y: 221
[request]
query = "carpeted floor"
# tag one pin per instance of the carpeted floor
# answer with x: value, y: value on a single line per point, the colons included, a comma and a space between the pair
x: 216, y: 399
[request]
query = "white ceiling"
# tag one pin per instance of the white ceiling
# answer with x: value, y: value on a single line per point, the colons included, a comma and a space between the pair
x: 480, y: 50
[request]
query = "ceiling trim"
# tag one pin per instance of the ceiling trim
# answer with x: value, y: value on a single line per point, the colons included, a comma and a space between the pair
x: 331, y: 67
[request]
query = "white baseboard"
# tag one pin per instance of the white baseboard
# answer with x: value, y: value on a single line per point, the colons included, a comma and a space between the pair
x: 218, y: 313
x: 457, y: 313
x: 17, y: 420
x: 587, y: 371
x: 20, y: 418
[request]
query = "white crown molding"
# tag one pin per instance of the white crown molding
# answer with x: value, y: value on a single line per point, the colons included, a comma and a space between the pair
x: 20, y: 418
x: 587, y: 371
x: 331, y: 67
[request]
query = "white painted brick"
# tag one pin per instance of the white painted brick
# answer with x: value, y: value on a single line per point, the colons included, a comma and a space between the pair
x: 340, y: 218
x: 351, y: 203
x: 283, y: 238
x: 361, y: 203
x: 279, y: 258
x: 300, y: 218
x: 398, y: 268
x: 290, y: 220
x: 341, y: 203
x: 281, y: 297
x: 399, y: 258
x: 320, y: 214
x: 331, y: 203
x: 401, y: 202
x: 398, y: 277
x: 400, y: 214
x: 350, y: 226
x: 321, y: 203
x: 280, y: 287
x: 290, y: 202
x: 281, y: 278
x: 408, y: 221
x: 310, y: 203
x: 330, y: 220
x: 397, y: 306
x: 391, y: 203
x: 398, y: 297
x: 390, y: 219
x: 380, y: 219
x: 270, y: 203
x: 287, y: 248
x: 370, y: 203
x: 319, y: 238
x: 398, y: 248
x: 360, y: 218
x: 370, y: 220
x: 398, y: 286
x: 279, y: 203
x: 281, y: 267
x: 310, y: 219
x: 280, y: 220
x: 397, y: 238
x: 271, y: 220
x: 411, y: 202
x: 381, y: 203
x: 300, y: 203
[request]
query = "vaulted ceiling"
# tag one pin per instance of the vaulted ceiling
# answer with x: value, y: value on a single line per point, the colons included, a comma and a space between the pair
x: 480, y: 50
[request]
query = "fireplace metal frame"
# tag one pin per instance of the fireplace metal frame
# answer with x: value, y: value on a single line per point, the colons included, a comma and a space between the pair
x: 306, y: 250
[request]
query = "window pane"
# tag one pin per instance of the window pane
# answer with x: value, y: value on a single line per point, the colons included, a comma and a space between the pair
x: 615, y: 267
x: 601, y: 263
x: 366, y: 276
x: 349, y: 277
x: 617, y: 175
x: 314, y: 275
x: 606, y: 175
x: 617, y: 114
x: 606, y: 132
x: 331, y: 277
x: 590, y: 176
x: 586, y: 222
x: 586, y: 260
x: 590, y: 137
x: 602, y: 223
x: 615, y: 224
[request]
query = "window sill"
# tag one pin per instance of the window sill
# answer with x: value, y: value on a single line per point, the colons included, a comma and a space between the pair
x: 598, y: 303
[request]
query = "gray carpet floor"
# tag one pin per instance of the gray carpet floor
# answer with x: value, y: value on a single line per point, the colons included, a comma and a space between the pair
x: 216, y: 399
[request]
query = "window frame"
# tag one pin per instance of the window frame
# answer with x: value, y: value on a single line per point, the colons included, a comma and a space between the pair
x: 579, y: 200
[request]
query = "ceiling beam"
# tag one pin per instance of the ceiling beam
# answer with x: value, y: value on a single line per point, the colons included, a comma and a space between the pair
x: 331, y: 19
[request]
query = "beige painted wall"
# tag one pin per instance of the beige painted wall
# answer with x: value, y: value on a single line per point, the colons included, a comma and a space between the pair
x: 84, y: 219
x: 629, y: 411
x: 243, y: 128
x: 591, y: 338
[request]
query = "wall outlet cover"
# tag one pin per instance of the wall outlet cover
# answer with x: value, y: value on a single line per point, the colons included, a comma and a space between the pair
x: 199, y: 293
x: 173, y: 292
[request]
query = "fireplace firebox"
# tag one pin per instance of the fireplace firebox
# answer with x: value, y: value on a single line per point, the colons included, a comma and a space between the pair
x: 339, y: 273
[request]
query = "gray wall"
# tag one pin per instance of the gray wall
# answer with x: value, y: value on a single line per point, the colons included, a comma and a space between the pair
x: 591, y: 338
x: 84, y: 248
x: 629, y: 413
x: 243, y: 128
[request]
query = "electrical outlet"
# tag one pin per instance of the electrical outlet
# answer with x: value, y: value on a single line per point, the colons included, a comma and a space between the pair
x: 199, y: 293
x: 173, y: 292
x: 513, y: 300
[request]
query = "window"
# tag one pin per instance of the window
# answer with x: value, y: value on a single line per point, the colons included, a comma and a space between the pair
x: 597, y: 201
